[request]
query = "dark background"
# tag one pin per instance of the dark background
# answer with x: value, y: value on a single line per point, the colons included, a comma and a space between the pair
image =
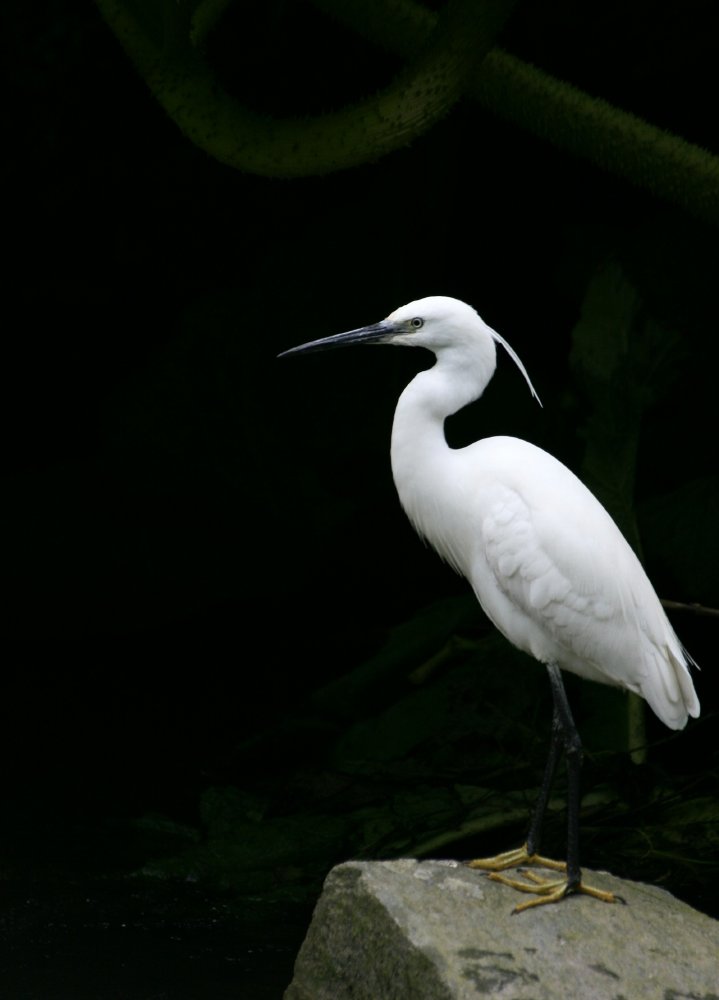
x: 196, y: 536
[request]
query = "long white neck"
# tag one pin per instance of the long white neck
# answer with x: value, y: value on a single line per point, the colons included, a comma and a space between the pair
x: 421, y: 458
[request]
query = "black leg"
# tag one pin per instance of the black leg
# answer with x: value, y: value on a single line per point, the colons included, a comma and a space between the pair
x: 552, y: 890
x: 556, y: 745
x: 564, y: 731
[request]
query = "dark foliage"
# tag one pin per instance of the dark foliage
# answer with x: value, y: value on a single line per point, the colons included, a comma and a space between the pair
x: 218, y: 629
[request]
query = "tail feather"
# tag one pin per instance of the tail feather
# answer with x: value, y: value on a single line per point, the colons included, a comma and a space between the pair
x: 667, y: 685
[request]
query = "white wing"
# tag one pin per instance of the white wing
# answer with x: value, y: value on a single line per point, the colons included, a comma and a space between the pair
x: 556, y: 576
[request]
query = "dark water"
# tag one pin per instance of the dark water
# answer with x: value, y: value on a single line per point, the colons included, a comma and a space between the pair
x: 78, y: 923
x: 130, y: 939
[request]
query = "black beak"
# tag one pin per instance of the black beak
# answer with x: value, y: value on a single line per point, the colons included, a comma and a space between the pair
x: 375, y: 334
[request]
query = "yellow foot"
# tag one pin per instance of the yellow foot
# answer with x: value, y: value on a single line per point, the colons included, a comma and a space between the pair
x: 547, y: 890
x: 512, y: 859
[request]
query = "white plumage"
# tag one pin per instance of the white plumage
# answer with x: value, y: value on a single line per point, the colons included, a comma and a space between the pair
x: 546, y: 561
x: 544, y: 558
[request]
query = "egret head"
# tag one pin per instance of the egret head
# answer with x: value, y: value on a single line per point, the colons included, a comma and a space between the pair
x: 439, y: 323
x: 443, y: 324
x: 433, y: 322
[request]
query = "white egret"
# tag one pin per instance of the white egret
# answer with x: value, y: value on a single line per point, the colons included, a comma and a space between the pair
x: 545, y: 560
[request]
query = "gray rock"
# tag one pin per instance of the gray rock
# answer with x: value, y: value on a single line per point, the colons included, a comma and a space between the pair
x: 436, y: 930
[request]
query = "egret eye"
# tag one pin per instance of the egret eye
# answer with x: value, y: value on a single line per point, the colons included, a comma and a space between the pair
x: 417, y: 322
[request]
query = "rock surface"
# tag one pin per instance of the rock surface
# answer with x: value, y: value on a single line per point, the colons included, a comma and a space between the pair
x: 436, y: 930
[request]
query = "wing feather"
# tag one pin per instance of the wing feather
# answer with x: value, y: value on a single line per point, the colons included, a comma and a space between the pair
x: 576, y: 594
